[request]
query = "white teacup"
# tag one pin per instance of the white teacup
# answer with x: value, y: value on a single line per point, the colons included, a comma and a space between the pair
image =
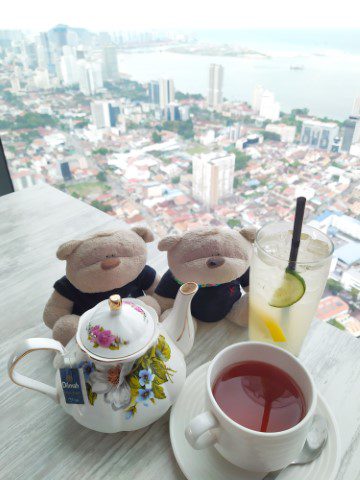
x: 250, y: 449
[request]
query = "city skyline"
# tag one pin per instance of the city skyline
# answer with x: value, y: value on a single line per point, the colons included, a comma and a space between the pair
x: 149, y: 153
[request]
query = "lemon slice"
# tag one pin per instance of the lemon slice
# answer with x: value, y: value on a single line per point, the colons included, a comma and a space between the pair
x: 275, y: 330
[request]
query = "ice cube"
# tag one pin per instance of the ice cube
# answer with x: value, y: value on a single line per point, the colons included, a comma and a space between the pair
x: 318, y: 248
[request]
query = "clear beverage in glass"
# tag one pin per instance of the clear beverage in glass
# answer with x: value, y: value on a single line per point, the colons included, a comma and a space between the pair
x: 286, y: 326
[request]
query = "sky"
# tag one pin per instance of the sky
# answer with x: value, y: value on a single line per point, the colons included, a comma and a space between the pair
x: 112, y: 15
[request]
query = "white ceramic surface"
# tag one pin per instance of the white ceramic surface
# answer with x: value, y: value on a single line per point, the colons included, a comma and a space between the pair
x: 130, y: 329
x: 114, y: 394
x: 245, y: 448
x: 210, y: 465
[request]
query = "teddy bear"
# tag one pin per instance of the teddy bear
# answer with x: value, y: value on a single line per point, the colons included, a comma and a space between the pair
x: 217, y: 259
x: 97, y: 267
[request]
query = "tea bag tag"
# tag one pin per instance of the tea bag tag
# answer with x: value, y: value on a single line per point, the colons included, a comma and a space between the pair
x: 71, y: 385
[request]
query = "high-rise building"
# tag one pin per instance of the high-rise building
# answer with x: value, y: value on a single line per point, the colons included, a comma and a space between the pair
x: 15, y: 84
x: 15, y: 80
x: 215, y: 95
x: 110, y: 62
x: 30, y: 54
x: 154, y: 92
x: 104, y: 114
x: 58, y: 37
x: 319, y: 134
x: 114, y: 111
x: 65, y: 171
x: 172, y: 112
x: 184, y: 111
x: 45, y: 54
x: 351, y: 132
x: 100, y: 113
x: 90, y: 77
x: 257, y: 96
x: 234, y: 132
x: 69, y: 66
x: 356, y: 106
x: 213, y: 177
x: 269, y: 108
x: 263, y: 103
x: 166, y: 92
x: 41, y: 79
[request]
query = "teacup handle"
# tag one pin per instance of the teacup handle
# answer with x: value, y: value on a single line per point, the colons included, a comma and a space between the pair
x: 199, y: 433
x: 22, y: 349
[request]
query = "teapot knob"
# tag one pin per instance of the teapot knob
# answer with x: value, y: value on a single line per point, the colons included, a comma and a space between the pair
x: 115, y: 302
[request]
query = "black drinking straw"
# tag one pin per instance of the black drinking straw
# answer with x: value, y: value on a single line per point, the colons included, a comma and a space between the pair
x: 296, y: 236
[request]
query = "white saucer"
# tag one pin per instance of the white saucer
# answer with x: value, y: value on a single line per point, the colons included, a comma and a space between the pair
x: 208, y: 464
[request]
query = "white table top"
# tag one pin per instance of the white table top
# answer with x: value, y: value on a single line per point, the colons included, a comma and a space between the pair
x: 38, y: 440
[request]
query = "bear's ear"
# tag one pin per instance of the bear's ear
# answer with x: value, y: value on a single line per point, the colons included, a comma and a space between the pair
x: 144, y: 233
x: 168, y: 243
x: 67, y: 249
x: 249, y: 233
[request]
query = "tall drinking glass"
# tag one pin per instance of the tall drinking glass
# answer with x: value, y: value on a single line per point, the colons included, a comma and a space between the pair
x: 287, y: 323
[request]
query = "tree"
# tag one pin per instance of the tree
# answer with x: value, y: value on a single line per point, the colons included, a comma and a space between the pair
x: 241, y: 159
x: 156, y: 137
x: 237, y: 182
x: 190, y: 168
x: 82, y: 124
x: 101, y: 151
x: 275, y: 137
x: 175, y: 180
x: 299, y: 111
x: 185, y: 129
x: 29, y: 120
x: 187, y: 96
x: 233, y: 222
x: 101, y: 206
x: 334, y: 286
x: 101, y: 176
x: 354, y: 294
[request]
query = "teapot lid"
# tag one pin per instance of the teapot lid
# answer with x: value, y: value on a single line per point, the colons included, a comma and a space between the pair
x: 116, y: 329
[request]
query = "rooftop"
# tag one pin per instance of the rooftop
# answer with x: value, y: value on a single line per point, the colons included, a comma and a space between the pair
x: 348, y: 253
x: 331, y: 307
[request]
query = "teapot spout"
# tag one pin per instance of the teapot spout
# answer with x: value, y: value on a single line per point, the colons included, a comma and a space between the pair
x: 179, y: 323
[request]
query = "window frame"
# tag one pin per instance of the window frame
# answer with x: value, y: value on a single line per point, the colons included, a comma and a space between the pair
x: 6, y: 184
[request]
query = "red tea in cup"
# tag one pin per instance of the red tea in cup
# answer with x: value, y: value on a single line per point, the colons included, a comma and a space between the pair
x: 259, y: 396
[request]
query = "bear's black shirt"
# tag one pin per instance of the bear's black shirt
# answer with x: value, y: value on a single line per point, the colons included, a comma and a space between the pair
x: 210, y: 304
x: 85, y: 301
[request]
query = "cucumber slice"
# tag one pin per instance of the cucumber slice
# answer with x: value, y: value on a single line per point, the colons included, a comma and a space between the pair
x: 290, y: 291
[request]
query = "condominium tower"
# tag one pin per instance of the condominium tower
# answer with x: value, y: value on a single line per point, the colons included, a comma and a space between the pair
x: 216, y: 77
x: 213, y: 177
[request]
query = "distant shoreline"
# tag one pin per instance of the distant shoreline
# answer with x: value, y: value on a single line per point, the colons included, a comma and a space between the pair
x: 216, y: 50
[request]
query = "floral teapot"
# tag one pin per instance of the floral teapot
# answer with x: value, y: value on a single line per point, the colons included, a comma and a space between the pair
x: 123, y: 369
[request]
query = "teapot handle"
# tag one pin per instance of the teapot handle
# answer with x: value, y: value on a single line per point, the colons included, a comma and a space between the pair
x: 22, y: 349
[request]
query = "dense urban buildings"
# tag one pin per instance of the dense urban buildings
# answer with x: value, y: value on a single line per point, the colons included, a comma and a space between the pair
x: 150, y: 154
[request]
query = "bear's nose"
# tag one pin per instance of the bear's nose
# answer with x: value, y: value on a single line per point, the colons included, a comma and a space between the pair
x: 215, y: 262
x: 109, y: 263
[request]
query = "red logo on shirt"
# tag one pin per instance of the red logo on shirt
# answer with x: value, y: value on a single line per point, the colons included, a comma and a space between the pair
x: 232, y: 290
